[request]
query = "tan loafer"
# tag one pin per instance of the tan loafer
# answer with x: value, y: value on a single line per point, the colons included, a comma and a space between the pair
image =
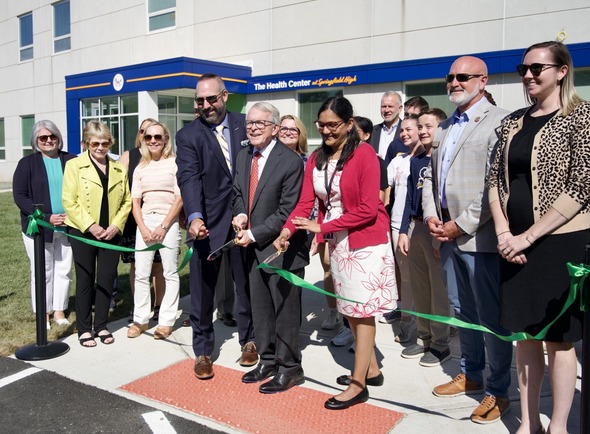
x: 136, y: 329
x: 162, y: 332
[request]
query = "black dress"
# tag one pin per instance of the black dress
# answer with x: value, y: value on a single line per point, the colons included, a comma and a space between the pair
x: 532, y: 295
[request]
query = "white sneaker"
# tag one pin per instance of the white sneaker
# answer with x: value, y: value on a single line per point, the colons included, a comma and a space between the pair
x: 332, y: 320
x: 343, y: 338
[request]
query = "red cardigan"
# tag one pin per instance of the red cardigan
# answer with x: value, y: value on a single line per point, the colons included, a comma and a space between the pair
x: 364, y: 215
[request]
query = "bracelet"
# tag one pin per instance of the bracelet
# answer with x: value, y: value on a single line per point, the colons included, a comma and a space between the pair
x: 505, y: 232
x: 527, y: 238
x: 164, y: 227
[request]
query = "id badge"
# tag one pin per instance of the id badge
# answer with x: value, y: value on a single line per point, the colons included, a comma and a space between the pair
x: 329, y: 236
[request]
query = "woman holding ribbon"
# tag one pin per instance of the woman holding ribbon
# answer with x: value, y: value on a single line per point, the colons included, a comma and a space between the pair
x: 156, y: 205
x: 38, y: 180
x: 344, y: 175
x: 97, y: 202
x: 540, y: 201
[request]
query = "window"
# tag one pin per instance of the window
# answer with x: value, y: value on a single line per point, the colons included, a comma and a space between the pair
x: 161, y: 14
x: 120, y: 113
x: 309, y: 104
x: 26, y: 36
x: 27, y: 123
x: 434, y: 93
x: 61, y: 26
x: 175, y: 112
x: 582, y: 83
x: 2, y: 141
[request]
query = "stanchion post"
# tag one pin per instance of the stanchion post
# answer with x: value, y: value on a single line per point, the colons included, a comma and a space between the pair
x: 42, y: 350
x: 585, y: 399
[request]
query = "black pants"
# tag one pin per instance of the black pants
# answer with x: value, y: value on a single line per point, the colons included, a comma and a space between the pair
x: 93, y: 264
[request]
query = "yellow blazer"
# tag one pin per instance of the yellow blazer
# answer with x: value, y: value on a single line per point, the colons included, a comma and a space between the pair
x: 82, y: 194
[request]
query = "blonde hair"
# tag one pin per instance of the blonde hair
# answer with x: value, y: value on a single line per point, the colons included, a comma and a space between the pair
x: 99, y: 130
x: 167, y: 151
x: 302, y: 142
x: 139, y: 136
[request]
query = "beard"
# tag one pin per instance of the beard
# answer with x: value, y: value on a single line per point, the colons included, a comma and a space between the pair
x: 214, y: 115
x: 464, y: 97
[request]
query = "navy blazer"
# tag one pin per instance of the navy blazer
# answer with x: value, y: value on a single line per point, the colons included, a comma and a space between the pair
x: 394, y: 148
x: 275, y: 198
x: 205, y: 181
x: 30, y: 187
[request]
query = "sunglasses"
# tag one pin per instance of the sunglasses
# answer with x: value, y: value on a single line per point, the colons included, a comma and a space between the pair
x: 157, y: 137
x: 461, y: 78
x: 51, y: 137
x: 536, y: 68
x: 210, y: 99
x: 95, y: 145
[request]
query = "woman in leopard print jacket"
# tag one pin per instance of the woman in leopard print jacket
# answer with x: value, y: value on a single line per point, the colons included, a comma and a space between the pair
x: 539, y: 192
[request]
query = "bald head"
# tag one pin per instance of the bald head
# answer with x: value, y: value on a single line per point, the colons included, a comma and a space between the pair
x: 466, y: 81
x: 470, y: 65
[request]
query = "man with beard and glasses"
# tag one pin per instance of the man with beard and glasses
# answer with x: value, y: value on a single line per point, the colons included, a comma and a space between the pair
x: 457, y: 213
x: 206, y: 153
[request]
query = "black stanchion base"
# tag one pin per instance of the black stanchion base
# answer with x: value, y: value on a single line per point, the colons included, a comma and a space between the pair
x: 42, y: 352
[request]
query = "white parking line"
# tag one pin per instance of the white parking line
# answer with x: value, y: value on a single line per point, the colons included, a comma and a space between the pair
x: 158, y: 423
x: 18, y: 376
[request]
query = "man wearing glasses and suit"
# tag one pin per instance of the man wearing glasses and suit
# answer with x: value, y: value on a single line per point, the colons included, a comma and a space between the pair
x: 457, y: 213
x: 206, y: 153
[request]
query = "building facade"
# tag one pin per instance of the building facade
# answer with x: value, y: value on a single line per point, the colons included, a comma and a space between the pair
x: 123, y: 61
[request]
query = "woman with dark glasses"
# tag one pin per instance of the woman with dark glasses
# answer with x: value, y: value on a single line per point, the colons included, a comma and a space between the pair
x: 540, y: 201
x: 156, y: 205
x: 38, y: 179
x: 97, y: 202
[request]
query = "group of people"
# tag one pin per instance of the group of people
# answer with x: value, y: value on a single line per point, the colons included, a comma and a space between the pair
x: 486, y: 209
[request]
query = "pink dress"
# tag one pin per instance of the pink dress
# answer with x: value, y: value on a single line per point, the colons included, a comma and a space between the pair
x: 367, y: 275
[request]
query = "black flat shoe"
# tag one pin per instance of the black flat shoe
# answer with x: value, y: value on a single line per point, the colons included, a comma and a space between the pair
x: 282, y: 382
x: 259, y: 373
x: 334, y: 404
x: 345, y: 380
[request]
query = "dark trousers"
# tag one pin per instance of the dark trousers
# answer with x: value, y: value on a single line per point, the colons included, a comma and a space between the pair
x: 203, y: 279
x: 93, y: 264
x: 276, y: 311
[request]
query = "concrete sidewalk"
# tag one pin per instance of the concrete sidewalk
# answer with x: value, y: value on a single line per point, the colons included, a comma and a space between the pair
x: 407, y: 388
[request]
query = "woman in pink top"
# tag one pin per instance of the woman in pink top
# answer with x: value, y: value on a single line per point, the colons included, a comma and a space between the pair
x: 344, y: 175
x: 156, y: 205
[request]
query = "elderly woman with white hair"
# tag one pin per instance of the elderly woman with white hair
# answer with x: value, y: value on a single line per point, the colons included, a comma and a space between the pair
x: 38, y: 180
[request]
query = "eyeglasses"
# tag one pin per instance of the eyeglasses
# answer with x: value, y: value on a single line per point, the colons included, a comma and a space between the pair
x: 285, y: 130
x: 332, y: 126
x: 157, y: 137
x: 258, y: 124
x: 95, y: 145
x: 51, y: 137
x: 461, y: 78
x: 210, y: 99
x: 536, y: 68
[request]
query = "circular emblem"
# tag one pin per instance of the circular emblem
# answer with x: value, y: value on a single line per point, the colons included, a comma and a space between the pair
x: 118, y: 82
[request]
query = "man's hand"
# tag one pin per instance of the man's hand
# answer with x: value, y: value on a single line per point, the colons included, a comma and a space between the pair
x: 403, y: 244
x: 451, y: 230
x: 239, y: 222
x: 243, y: 238
x: 198, y: 230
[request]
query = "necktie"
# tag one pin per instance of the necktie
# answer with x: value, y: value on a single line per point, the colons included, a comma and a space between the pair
x: 253, y: 181
x: 223, y: 144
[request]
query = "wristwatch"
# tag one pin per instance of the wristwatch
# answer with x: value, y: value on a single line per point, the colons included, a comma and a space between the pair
x: 164, y: 227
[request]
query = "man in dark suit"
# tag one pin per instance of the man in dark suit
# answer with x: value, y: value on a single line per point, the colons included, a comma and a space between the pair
x: 267, y: 185
x: 206, y: 152
x: 385, y: 138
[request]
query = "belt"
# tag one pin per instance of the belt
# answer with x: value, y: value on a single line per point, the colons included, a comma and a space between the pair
x: 418, y: 219
x: 445, y: 214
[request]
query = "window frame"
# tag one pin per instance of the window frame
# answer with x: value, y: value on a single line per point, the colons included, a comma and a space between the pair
x: 65, y: 36
x: 2, y: 140
x: 158, y: 13
x: 313, y: 137
x: 25, y: 48
x: 26, y: 132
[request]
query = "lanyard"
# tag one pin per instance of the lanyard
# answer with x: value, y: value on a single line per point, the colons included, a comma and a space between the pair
x: 328, y: 186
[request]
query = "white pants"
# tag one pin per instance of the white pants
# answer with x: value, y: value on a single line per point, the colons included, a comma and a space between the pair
x: 143, y: 270
x: 58, y: 271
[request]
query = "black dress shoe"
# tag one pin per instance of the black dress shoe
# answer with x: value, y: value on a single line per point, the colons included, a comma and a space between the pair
x: 334, y: 404
x: 282, y: 382
x: 227, y: 318
x: 345, y: 380
x: 259, y: 373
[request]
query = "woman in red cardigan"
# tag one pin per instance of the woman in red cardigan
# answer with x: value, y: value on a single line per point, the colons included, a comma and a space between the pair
x: 344, y: 175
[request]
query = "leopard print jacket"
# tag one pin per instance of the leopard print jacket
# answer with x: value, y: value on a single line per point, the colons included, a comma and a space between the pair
x: 560, y: 166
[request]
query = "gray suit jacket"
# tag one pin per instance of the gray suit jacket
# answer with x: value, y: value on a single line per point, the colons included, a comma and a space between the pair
x: 466, y: 190
x: 277, y: 194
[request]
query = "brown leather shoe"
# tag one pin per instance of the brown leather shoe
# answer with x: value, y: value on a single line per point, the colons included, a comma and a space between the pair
x: 459, y: 385
x: 203, y: 368
x: 249, y: 355
x: 490, y: 410
x: 136, y: 329
x: 162, y: 332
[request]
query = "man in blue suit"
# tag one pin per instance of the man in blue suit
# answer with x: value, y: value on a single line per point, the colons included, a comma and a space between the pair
x: 206, y: 152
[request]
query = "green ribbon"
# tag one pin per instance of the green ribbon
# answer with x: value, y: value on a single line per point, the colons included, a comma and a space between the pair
x: 578, y: 273
x: 187, y: 257
x: 32, y: 227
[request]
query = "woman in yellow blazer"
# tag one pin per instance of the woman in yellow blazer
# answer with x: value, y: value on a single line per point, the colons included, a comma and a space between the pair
x: 97, y: 202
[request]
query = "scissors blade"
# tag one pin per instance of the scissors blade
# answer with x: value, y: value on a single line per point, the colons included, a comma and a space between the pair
x: 272, y: 257
x: 216, y: 253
